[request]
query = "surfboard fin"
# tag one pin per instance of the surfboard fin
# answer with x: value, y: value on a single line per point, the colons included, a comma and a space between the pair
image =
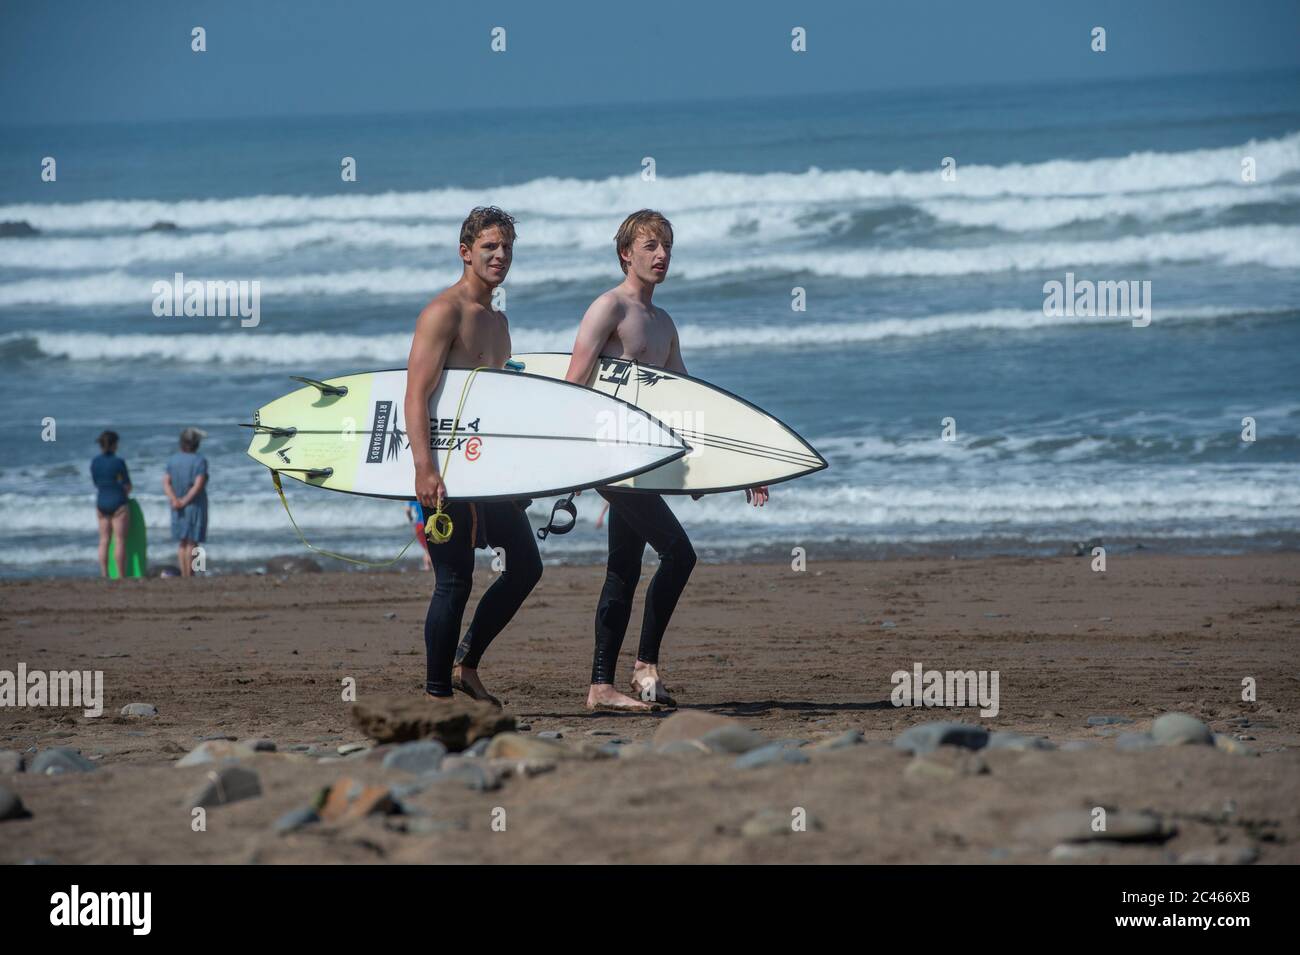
x: 324, y: 389
x: 310, y: 473
x: 273, y: 432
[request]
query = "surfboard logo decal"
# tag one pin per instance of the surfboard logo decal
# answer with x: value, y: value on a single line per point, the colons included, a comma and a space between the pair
x: 473, y: 448
x: 378, y: 432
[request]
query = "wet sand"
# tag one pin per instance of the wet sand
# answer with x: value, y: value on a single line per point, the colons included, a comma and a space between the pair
x: 792, y: 655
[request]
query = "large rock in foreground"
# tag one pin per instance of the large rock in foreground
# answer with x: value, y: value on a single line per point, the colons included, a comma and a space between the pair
x: 456, y: 723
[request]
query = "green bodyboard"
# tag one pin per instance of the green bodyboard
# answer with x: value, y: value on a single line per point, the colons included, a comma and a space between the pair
x: 137, y: 562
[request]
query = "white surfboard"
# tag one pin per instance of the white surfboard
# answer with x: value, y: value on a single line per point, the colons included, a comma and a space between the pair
x: 734, y: 444
x: 517, y: 436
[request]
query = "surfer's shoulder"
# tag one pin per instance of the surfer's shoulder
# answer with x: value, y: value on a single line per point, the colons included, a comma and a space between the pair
x: 441, y: 316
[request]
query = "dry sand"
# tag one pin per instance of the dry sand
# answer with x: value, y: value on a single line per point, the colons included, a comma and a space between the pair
x: 804, y: 655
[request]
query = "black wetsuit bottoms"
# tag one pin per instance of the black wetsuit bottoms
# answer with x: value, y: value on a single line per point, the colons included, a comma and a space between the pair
x: 637, y: 519
x: 497, y: 524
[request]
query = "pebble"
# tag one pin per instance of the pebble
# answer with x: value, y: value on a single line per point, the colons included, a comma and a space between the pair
x: 927, y: 737
x: 551, y: 734
x: 1075, y: 825
x: 391, y: 615
x: 521, y: 767
x: 1019, y: 741
x: 347, y: 749
x: 769, y: 754
x: 139, y: 709
x: 1229, y: 745
x: 60, y: 759
x: 479, y: 747
x: 419, y: 757
x: 299, y: 747
x: 515, y: 746
x: 11, y: 761
x: 214, y: 751
x: 220, y: 736
x: 679, y: 747
x: 1132, y: 742
x: 1108, y: 720
x: 260, y: 745
x: 844, y: 740
x: 1174, y: 729
x: 732, y: 738
x: 11, y: 807
x: 946, y: 764
x: 888, y: 625
x: 773, y: 822
x: 1220, y: 855
x: 474, y: 775
x: 1077, y: 746
x: 295, y: 819
x: 226, y: 785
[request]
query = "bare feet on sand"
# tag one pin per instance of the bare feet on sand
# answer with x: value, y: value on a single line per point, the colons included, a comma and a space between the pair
x: 647, y: 685
x: 603, y: 696
x: 466, y: 680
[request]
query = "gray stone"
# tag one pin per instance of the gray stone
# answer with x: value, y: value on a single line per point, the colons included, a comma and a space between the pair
x: 844, y: 740
x: 1134, y: 742
x: 11, y: 761
x: 927, y: 737
x: 1220, y: 855
x: 678, y: 747
x: 551, y: 734
x: 1077, y: 746
x: 139, y: 709
x: 214, y: 751
x: 260, y: 745
x: 790, y: 742
x: 774, y: 822
x: 60, y: 759
x: 730, y: 739
x: 1075, y: 825
x: 1019, y: 741
x: 422, y: 756
x: 295, y: 819
x: 474, y: 775
x: 768, y: 755
x: 299, y: 747
x: 1108, y: 720
x: 11, y: 806
x: 226, y: 785
x: 479, y: 747
x: 229, y: 737
x: 1174, y: 729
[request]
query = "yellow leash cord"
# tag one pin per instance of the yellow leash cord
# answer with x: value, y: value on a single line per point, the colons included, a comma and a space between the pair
x: 437, y: 528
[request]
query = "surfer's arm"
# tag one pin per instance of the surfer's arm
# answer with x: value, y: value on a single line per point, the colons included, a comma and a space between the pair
x: 594, y: 332
x: 675, y: 362
x: 435, y: 332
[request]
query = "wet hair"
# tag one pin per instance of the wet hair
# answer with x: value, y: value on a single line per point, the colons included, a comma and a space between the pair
x: 107, y: 441
x: 643, y: 220
x: 482, y: 218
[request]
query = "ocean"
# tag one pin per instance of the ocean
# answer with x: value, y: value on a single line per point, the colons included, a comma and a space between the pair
x: 924, y: 307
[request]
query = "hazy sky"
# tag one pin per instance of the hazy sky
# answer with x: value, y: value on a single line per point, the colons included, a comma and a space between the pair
x: 84, y: 60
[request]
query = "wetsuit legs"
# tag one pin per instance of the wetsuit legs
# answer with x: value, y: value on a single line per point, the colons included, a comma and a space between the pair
x: 506, y: 527
x: 635, y: 520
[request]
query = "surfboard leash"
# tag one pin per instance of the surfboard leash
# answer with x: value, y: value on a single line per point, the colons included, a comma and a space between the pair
x: 438, y: 527
x: 275, y: 479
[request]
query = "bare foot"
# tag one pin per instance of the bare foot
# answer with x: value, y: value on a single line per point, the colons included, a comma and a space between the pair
x: 466, y: 680
x: 603, y: 696
x: 647, y: 685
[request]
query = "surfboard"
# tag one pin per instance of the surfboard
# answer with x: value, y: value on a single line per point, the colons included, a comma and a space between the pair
x: 517, y: 436
x: 734, y: 444
x: 137, y: 545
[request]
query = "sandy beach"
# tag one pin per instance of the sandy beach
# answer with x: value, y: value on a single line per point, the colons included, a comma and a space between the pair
x: 791, y: 655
